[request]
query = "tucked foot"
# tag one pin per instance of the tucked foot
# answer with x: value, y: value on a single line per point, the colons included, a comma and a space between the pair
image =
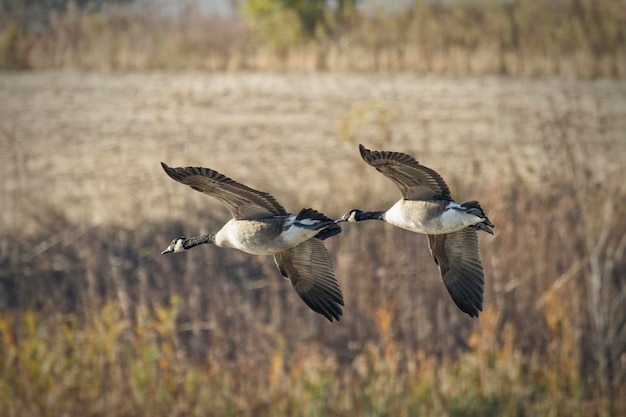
x: 482, y: 226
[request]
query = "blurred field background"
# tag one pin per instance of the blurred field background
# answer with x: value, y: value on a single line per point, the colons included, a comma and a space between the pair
x: 521, y: 105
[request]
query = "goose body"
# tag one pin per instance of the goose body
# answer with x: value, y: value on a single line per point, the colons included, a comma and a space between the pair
x: 427, y: 207
x: 268, y: 236
x: 430, y: 217
x: 261, y: 226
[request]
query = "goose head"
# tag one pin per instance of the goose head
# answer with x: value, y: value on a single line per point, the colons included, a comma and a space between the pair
x: 175, y: 246
x: 350, y: 216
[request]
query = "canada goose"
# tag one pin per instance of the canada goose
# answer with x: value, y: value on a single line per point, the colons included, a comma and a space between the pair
x: 261, y: 226
x: 427, y: 207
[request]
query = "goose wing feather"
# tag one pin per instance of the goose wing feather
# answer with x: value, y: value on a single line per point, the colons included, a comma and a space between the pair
x: 415, y: 181
x: 242, y: 201
x: 456, y: 254
x: 309, y: 268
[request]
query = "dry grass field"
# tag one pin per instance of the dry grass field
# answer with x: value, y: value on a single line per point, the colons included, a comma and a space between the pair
x: 98, y: 139
x: 94, y: 321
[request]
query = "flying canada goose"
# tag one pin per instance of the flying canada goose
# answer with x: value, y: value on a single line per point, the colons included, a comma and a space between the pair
x: 261, y: 226
x: 427, y: 207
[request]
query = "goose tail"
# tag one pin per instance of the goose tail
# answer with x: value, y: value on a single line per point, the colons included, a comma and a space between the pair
x: 315, y: 220
x: 473, y: 207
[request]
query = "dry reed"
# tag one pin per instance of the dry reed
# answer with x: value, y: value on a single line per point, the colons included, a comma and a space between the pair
x: 94, y: 321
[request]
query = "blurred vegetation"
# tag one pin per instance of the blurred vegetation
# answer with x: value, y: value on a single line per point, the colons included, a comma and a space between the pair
x: 576, y: 38
x: 93, y: 321
x: 115, y: 363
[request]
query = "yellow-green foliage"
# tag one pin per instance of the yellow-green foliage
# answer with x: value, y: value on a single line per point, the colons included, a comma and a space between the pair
x: 274, y: 25
x: 112, y: 364
x: 10, y: 53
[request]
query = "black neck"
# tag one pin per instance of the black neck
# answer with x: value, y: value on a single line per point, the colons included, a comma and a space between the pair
x: 190, y: 242
x: 369, y: 215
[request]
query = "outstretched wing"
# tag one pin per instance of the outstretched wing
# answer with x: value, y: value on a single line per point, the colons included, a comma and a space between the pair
x: 309, y: 268
x: 243, y: 202
x: 457, y: 256
x: 415, y: 181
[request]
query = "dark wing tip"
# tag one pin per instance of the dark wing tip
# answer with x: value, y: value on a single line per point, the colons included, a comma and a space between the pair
x: 177, y: 174
x: 365, y: 153
x: 471, y: 309
x: 325, y: 301
x: 468, y: 297
x: 329, y: 308
x: 171, y: 172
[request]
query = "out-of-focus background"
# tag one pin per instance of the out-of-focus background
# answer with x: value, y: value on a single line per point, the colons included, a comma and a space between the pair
x: 518, y: 104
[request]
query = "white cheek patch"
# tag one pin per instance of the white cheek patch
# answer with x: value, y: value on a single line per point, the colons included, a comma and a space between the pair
x: 178, y: 247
